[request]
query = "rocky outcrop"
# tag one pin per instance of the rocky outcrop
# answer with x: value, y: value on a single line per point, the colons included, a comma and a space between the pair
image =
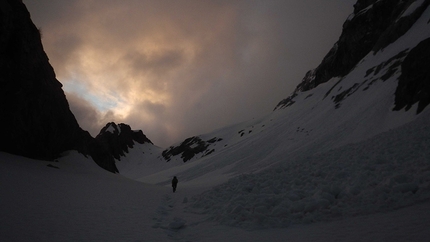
x: 35, y: 116
x: 373, y: 25
x: 189, y: 148
x: 119, y: 138
x: 414, y: 82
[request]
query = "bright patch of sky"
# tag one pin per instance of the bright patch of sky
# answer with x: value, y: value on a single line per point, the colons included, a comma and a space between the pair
x: 103, y: 103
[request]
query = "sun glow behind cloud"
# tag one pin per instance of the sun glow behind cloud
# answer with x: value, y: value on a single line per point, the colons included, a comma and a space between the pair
x: 181, y: 68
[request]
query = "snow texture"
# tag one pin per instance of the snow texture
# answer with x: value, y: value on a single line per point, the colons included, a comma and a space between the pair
x: 387, y: 172
x: 337, y: 165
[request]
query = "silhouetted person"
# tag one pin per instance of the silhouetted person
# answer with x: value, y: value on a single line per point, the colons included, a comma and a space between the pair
x: 174, y: 183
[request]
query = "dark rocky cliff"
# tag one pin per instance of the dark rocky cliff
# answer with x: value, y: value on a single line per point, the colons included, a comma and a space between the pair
x: 373, y: 25
x: 35, y: 117
x: 414, y: 83
x: 119, y: 138
x: 189, y: 148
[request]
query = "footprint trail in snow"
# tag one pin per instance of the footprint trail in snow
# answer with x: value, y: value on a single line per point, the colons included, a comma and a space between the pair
x: 169, y: 217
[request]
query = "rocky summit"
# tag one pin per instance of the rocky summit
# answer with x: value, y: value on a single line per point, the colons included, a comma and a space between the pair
x: 119, y: 138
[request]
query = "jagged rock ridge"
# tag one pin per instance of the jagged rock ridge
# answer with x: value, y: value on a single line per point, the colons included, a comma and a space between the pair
x: 119, y: 138
x: 373, y: 26
x: 189, y: 148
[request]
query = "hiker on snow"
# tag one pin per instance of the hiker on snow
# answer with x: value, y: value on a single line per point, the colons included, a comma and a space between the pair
x: 174, y: 183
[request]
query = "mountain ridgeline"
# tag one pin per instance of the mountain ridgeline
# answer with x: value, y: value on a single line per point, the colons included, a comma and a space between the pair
x: 34, y: 110
x: 119, y: 138
x: 382, y: 55
x: 35, y: 115
x: 373, y: 26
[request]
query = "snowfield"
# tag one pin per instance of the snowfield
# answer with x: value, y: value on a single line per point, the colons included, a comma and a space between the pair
x: 337, y: 165
x: 374, y: 190
x: 389, y: 171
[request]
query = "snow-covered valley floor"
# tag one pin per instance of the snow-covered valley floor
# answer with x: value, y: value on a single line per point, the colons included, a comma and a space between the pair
x: 336, y: 165
x: 376, y: 189
x: 81, y: 202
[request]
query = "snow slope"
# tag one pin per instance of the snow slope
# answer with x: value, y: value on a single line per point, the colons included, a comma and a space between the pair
x: 389, y: 171
x: 80, y: 202
x: 336, y: 113
x: 337, y: 165
x: 339, y: 151
x: 77, y: 202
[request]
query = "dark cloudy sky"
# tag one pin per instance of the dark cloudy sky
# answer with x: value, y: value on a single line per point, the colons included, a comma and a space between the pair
x: 178, y: 68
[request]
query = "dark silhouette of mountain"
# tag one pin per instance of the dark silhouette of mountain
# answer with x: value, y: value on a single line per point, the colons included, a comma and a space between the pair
x: 35, y: 117
x: 119, y: 138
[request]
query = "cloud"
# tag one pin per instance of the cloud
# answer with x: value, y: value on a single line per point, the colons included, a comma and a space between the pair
x: 89, y: 117
x: 180, y: 68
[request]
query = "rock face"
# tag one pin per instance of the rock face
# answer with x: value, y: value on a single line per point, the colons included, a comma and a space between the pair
x: 189, y: 148
x: 35, y: 117
x: 119, y: 138
x: 414, y: 83
x: 373, y: 26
